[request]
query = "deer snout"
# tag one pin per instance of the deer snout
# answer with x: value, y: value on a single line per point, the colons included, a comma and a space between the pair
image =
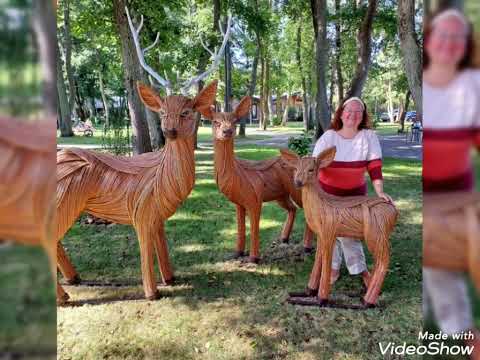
x: 227, y: 132
x: 298, y: 183
x: 171, y: 133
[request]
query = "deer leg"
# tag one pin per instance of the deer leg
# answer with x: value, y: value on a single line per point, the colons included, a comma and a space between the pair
x: 147, y: 245
x: 66, y: 267
x: 255, y: 234
x: 307, y: 239
x: 288, y: 225
x: 379, y: 248
x: 161, y: 248
x: 326, y: 259
x: 314, y: 281
x: 241, y: 232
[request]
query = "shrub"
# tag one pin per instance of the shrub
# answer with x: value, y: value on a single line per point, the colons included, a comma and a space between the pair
x: 301, y: 144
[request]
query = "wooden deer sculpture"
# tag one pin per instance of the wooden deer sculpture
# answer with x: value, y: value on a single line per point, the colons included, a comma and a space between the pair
x: 329, y: 216
x: 451, y: 233
x: 27, y: 185
x: 248, y: 184
x: 143, y: 190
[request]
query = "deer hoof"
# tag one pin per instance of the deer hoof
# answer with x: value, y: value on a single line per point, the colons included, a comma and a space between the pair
x: 238, y: 254
x: 311, y: 292
x: 155, y: 296
x: 285, y: 240
x: 367, y: 305
x: 253, y: 259
x: 323, y: 302
x: 170, y: 281
x: 73, y: 281
x: 308, y: 250
x: 63, y: 299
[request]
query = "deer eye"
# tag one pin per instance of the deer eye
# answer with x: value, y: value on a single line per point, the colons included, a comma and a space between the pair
x: 310, y: 170
x: 186, y: 113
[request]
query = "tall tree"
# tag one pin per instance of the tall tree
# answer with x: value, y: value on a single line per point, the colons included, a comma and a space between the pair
x: 364, y: 50
x: 132, y: 73
x: 67, y: 46
x: 64, y: 118
x: 338, y: 51
x: 302, y: 75
x: 322, y: 112
x: 411, y: 51
x: 45, y: 34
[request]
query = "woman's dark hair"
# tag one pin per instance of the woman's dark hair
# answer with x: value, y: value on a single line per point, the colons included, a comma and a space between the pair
x: 337, y: 122
x: 467, y: 60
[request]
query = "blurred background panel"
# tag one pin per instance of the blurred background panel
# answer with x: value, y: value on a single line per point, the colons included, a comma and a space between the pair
x: 27, y: 299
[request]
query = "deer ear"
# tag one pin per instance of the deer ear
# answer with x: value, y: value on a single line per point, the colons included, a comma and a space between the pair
x: 243, y: 107
x: 149, y: 97
x: 289, y: 158
x: 289, y: 155
x: 206, y: 97
x: 206, y: 111
x: 326, y: 157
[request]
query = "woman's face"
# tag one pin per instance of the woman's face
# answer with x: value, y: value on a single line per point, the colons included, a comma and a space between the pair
x: 352, y: 115
x: 446, y: 45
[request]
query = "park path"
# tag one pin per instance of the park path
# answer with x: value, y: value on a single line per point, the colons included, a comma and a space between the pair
x: 393, y: 146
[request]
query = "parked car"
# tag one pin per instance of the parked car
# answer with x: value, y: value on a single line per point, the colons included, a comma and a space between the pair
x: 384, y: 117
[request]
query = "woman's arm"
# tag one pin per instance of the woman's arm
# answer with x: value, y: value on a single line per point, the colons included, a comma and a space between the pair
x: 378, y: 186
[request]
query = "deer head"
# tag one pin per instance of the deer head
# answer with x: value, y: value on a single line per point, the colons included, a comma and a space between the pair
x: 176, y: 111
x: 224, y: 123
x: 307, y: 167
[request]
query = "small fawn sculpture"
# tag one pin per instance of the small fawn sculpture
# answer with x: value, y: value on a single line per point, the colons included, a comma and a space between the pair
x: 451, y: 233
x: 248, y: 184
x: 329, y: 216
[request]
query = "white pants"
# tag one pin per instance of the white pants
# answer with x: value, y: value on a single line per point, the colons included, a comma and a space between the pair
x: 352, y: 249
x: 446, y: 294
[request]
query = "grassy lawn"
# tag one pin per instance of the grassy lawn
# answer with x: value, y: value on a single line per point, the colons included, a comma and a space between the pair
x: 27, y: 298
x: 223, y: 309
x: 387, y: 128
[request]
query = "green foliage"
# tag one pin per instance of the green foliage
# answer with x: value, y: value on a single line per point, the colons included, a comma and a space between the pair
x: 301, y: 144
x: 116, y: 137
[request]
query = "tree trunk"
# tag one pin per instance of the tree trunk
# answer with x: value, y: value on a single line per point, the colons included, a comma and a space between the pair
x: 260, y: 113
x: 338, y: 52
x: 91, y: 107
x: 106, y: 108
x: 44, y: 25
x: 364, y: 50
x: 302, y: 74
x: 285, y: 111
x: 322, y: 113
x: 332, y: 88
x: 68, y: 56
x: 403, y: 113
x: 132, y: 74
x: 252, y: 85
x: 266, y: 92
x: 278, y: 107
x: 65, y: 120
x: 411, y: 52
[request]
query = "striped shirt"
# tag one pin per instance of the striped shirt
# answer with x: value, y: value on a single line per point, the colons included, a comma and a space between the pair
x: 451, y: 125
x: 345, y: 176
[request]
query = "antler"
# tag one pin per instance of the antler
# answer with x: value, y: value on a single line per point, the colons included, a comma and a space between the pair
x: 216, y: 55
x: 141, y: 53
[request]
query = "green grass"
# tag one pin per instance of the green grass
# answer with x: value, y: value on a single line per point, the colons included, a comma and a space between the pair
x: 27, y: 298
x: 386, y: 129
x: 222, y: 309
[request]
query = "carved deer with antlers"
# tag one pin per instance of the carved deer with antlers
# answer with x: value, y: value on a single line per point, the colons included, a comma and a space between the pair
x: 27, y: 185
x: 361, y: 217
x: 451, y: 233
x: 248, y: 184
x: 143, y: 190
